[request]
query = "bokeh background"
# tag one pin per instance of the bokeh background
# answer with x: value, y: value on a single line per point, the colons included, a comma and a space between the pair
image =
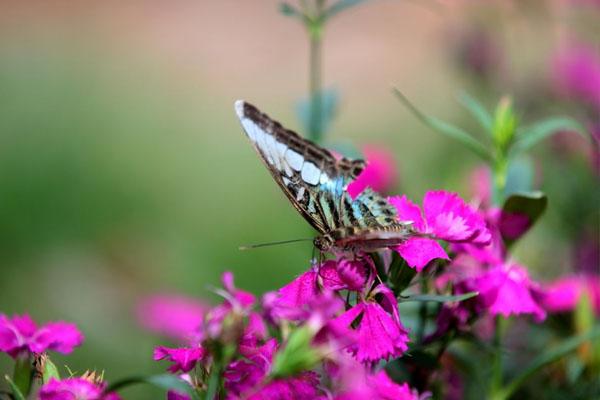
x: 124, y: 171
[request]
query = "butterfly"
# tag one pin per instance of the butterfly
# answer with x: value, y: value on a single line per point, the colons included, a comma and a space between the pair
x: 315, y: 182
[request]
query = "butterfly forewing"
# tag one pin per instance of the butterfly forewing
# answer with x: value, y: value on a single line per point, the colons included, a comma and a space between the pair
x: 314, y: 181
x: 309, y: 175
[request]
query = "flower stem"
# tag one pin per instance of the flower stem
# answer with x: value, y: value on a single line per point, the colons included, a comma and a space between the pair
x: 497, y: 365
x: 314, y: 26
x: 23, y: 373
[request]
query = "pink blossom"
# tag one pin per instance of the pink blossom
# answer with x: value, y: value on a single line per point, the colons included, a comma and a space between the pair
x: 246, y: 373
x: 303, y: 386
x: 445, y: 216
x: 245, y: 377
x: 380, y: 173
x: 289, y: 301
x: 379, y: 332
x: 21, y: 334
x: 174, y: 395
x: 576, y: 73
x: 176, y: 317
x: 236, y: 300
x: 481, y: 186
x: 184, y: 358
x: 74, y: 389
x: 345, y: 273
x: 508, y: 290
x: 353, y: 382
x: 565, y: 293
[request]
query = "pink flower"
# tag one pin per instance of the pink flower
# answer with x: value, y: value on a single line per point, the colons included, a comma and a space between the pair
x: 174, y: 395
x: 577, y: 73
x: 21, y: 334
x: 445, y: 216
x: 236, y: 300
x: 245, y: 374
x: 379, y: 332
x: 245, y: 378
x: 177, y: 317
x: 565, y: 293
x: 508, y: 290
x: 343, y: 273
x: 184, y: 359
x: 353, y: 382
x: 289, y: 301
x: 303, y: 386
x: 379, y: 174
x: 74, y: 389
x: 481, y: 186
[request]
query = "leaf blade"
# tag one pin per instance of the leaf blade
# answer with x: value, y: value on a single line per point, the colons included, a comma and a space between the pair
x: 162, y: 381
x: 341, y: 6
x: 446, y: 129
x: 439, y: 298
x: 548, y: 357
x: 530, y: 136
x: 477, y: 110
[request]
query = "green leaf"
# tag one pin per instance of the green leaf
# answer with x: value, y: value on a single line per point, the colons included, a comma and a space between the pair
x: 477, y: 110
x: 532, y: 205
x: 298, y: 354
x: 340, y: 6
x: 446, y: 129
x: 15, y: 390
x: 546, y: 358
x: 530, y: 136
x: 439, y: 298
x: 519, y: 177
x: 329, y: 103
x: 401, y: 274
x: 49, y: 370
x: 163, y: 381
x: 289, y: 10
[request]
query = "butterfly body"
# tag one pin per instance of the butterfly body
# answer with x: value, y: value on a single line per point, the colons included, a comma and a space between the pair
x: 315, y: 182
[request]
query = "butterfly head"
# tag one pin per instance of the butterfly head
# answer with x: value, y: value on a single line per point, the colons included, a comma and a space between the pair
x: 324, y: 243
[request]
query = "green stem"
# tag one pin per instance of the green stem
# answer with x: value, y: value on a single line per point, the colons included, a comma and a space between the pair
x: 497, y: 366
x: 315, y: 28
x: 23, y: 373
x: 423, y: 312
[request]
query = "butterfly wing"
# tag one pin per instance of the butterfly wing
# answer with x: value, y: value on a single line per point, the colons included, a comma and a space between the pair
x: 311, y: 178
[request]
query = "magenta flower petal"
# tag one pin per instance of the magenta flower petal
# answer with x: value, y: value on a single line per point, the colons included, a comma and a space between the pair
x: 183, y: 358
x: 295, y: 296
x: 353, y: 273
x: 408, y: 211
x: 20, y: 334
x: 418, y: 252
x: 303, y: 386
x: 330, y: 278
x: 379, y: 174
x: 174, y: 395
x: 577, y: 73
x: 387, y: 389
x: 507, y: 290
x: 242, y: 298
x: 74, y: 389
x: 177, y: 317
x: 62, y: 337
x: 450, y: 218
x: 379, y: 335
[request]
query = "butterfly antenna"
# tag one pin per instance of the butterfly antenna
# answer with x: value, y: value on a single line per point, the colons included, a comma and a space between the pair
x: 255, y: 246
